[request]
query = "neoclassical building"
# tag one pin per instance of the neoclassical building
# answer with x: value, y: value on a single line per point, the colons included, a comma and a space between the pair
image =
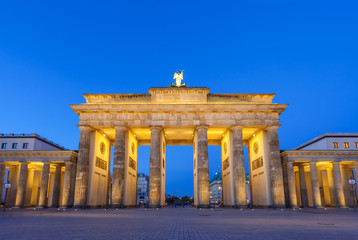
x: 316, y: 173
x: 41, y: 173
x: 178, y: 116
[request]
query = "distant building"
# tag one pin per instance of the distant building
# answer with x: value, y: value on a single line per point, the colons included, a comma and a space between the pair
x: 142, y: 188
x: 215, y: 189
x: 317, y: 173
x: 39, y: 170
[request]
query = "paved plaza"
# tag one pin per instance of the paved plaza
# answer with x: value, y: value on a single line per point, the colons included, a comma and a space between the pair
x: 188, y: 223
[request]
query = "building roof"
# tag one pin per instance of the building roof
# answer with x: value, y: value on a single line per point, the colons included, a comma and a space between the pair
x: 325, y: 135
x: 32, y: 135
x: 216, y: 177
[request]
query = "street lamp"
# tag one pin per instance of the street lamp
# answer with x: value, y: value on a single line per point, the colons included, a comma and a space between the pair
x: 352, y: 182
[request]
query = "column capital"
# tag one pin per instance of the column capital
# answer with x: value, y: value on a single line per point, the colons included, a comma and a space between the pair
x: 121, y: 127
x: 236, y: 127
x: 81, y: 127
x: 272, y: 128
x: 202, y: 127
x: 155, y: 127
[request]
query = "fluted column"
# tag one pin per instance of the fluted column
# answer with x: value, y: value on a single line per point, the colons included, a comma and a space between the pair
x: 303, y: 186
x: 2, y: 175
x: 44, y: 185
x: 118, y: 177
x: 20, y: 193
x: 238, y: 161
x: 56, y: 187
x: 316, y: 194
x: 276, y: 175
x: 338, y: 184
x: 66, y: 189
x: 73, y: 182
x: 203, y: 167
x: 291, y: 184
x: 154, y: 168
x: 81, y: 186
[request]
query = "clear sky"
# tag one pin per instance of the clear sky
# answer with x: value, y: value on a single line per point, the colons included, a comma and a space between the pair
x: 304, y: 51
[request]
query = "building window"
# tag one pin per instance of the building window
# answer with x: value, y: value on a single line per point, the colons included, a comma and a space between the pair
x: 25, y: 146
x: 346, y: 144
x: 14, y: 146
x: 3, y: 145
x: 356, y: 144
x: 335, y: 144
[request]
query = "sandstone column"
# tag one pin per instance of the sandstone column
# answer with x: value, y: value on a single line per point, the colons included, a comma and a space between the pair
x: 276, y: 176
x: 202, y: 167
x: 317, y: 202
x: 2, y: 176
x: 338, y: 184
x: 238, y: 161
x: 118, y: 177
x: 56, y: 187
x: 20, y: 193
x: 154, y: 168
x: 303, y: 187
x: 44, y: 185
x: 81, y: 186
x: 291, y: 185
x: 346, y: 186
x: 73, y: 182
x: 332, y: 189
x: 66, y: 185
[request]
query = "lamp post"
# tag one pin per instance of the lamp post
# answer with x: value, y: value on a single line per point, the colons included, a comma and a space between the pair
x: 352, y: 182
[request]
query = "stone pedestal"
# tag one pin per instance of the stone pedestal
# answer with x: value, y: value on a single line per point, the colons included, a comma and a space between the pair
x: 202, y: 167
x: 276, y: 176
x: 338, y: 184
x: 44, y: 186
x: 118, y: 177
x: 66, y: 185
x: 56, y: 187
x: 20, y: 194
x: 303, y: 187
x: 82, y: 168
x: 155, y: 167
x: 317, y: 202
x: 238, y: 161
x: 291, y: 185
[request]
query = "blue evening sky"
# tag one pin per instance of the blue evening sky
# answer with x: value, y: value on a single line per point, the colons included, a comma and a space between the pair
x: 304, y: 51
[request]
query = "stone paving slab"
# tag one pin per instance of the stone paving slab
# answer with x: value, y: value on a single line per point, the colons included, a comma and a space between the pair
x: 187, y: 223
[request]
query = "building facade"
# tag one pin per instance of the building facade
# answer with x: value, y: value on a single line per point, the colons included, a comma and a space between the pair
x: 41, y: 173
x: 317, y: 173
x: 215, y: 189
x: 142, y: 188
x: 179, y: 116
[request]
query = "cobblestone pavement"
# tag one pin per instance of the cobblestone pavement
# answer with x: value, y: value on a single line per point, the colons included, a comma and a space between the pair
x: 188, y: 223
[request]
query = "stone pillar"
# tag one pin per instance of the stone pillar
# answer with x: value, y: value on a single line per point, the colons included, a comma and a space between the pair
x: 119, y: 161
x: 291, y: 185
x: 73, y: 182
x: 20, y: 193
x: 317, y: 202
x: 154, y: 168
x: 66, y: 185
x: 44, y: 185
x: 332, y: 189
x: 202, y: 167
x: 82, y: 167
x: 346, y: 186
x: 276, y: 176
x: 56, y: 187
x: 303, y: 187
x: 338, y: 184
x: 238, y: 161
x: 2, y: 175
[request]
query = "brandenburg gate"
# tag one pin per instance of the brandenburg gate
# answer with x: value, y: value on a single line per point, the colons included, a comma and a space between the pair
x: 178, y: 116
